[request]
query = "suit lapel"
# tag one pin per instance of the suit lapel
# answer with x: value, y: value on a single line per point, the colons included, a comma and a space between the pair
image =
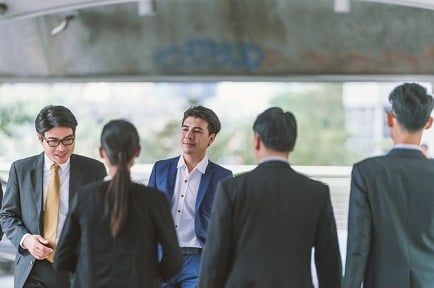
x: 76, y: 175
x: 171, y: 178
x: 205, y: 182
x: 37, y: 178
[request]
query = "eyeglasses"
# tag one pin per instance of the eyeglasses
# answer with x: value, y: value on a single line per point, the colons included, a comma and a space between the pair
x: 56, y: 142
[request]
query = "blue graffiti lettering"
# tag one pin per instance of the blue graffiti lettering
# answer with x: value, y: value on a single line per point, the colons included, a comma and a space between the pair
x: 206, y: 55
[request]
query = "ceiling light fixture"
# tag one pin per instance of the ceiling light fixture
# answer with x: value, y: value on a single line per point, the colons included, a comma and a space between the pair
x: 342, y: 6
x: 147, y: 8
x: 62, y: 26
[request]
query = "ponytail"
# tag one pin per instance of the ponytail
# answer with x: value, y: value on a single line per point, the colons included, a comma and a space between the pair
x: 118, y: 196
x: 120, y: 141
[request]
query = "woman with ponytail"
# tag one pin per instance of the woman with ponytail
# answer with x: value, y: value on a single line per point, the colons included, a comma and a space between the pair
x: 114, y: 227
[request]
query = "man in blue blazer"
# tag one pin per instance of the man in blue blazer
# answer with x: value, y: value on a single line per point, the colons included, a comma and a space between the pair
x: 390, y: 225
x: 189, y: 182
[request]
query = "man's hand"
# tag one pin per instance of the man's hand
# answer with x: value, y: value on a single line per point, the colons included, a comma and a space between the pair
x: 36, y: 244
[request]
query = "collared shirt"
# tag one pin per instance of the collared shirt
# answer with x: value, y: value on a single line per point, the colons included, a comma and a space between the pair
x: 184, y: 201
x: 64, y: 190
x: 407, y: 146
x: 64, y: 193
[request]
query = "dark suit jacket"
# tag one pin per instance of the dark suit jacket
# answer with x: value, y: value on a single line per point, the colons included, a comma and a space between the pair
x: 391, y: 222
x: 263, y: 227
x: 87, y: 248
x: 22, y: 211
x: 163, y: 178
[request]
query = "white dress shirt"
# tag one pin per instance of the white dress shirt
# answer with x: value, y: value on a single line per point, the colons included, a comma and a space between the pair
x: 184, y: 201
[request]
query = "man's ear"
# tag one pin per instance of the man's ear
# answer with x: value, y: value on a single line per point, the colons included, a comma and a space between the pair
x: 390, y: 117
x: 101, y: 153
x: 428, y: 123
x: 137, y: 154
x: 256, y: 142
x: 40, y: 139
x: 211, y: 139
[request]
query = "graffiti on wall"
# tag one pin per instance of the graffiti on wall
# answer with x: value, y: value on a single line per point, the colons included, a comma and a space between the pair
x: 208, y: 56
x: 204, y: 55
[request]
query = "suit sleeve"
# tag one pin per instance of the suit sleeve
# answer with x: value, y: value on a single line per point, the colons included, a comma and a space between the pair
x: 359, y: 232
x: 217, y: 255
x: 172, y: 259
x: 327, y: 254
x: 65, y: 257
x: 10, y: 213
x: 152, y: 178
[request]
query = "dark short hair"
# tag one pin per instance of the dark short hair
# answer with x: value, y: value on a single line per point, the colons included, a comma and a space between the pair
x: 54, y: 116
x: 411, y: 105
x: 277, y: 129
x: 206, y: 114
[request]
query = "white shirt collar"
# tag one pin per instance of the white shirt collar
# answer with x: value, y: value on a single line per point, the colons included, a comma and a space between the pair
x: 201, y: 166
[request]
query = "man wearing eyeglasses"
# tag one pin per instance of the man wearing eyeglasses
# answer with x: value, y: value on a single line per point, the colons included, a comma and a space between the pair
x: 25, y: 200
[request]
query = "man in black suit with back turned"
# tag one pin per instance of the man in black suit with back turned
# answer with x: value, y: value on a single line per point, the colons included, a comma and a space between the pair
x: 391, y: 213
x: 25, y: 200
x: 264, y: 223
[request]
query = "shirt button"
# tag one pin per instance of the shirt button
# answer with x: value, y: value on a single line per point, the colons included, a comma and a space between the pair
x: 182, y: 195
x: 185, y: 181
x: 179, y: 211
x: 176, y: 226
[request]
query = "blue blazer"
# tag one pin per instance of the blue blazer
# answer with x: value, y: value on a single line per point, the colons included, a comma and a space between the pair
x: 163, y: 178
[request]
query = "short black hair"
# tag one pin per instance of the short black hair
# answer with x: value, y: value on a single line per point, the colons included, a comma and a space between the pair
x: 411, y: 105
x: 206, y: 114
x: 54, y: 116
x: 277, y: 129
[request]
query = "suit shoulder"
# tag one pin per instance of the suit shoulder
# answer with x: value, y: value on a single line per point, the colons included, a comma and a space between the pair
x: 369, y: 162
x: 26, y: 161
x: 314, y: 182
x: 165, y: 162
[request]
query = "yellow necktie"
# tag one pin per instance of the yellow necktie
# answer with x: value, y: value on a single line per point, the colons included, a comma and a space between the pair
x: 51, y: 215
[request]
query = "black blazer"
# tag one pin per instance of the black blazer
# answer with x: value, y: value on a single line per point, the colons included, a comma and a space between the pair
x: 87, y: 248
x: 263, y: 227
x: 391, y: 222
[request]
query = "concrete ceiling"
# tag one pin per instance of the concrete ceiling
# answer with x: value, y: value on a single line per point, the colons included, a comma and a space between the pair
x: 214, y: 39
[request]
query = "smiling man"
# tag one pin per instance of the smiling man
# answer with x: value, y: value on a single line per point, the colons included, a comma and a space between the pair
x: 189, y: 182
x: 35, y: 206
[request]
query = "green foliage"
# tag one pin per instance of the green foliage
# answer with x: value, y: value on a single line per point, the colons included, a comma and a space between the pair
x: 318, y: 109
